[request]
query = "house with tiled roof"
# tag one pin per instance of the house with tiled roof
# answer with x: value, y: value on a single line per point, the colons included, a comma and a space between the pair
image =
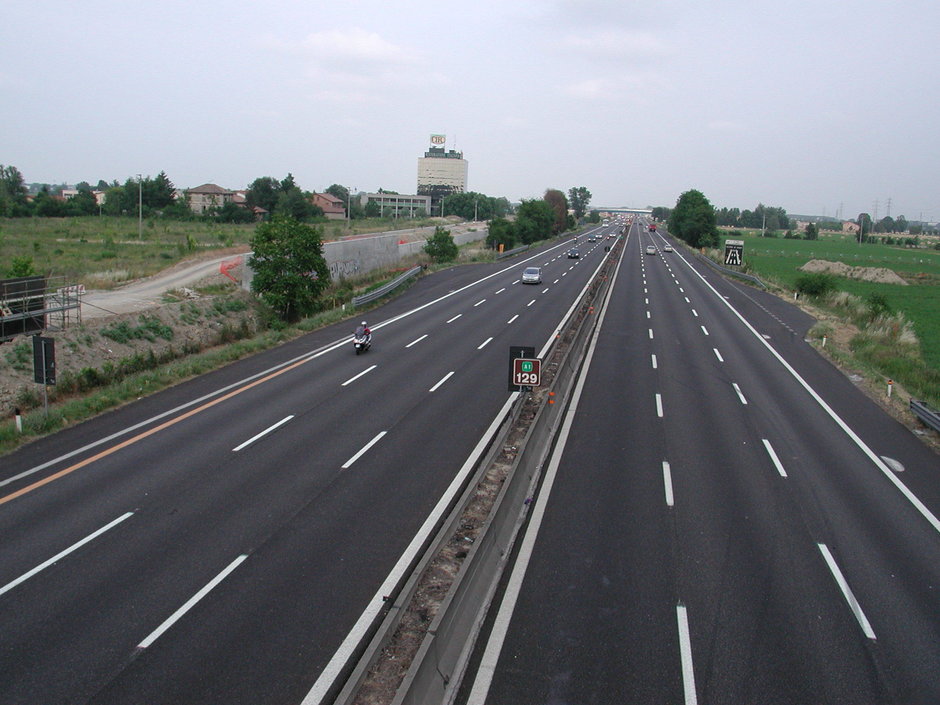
x: 208, y: 196
x: 333, y: 207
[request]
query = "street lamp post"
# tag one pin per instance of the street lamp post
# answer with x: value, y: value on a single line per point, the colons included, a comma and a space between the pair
x: 140, y: 207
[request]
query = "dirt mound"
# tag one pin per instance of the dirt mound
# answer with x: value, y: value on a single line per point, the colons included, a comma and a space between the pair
x: 840, y: 269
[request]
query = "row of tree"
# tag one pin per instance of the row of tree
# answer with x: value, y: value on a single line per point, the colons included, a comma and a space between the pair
x: 535, y: 220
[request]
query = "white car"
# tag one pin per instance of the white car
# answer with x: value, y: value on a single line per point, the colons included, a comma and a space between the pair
x: 650, y: 250
x: 667, y: 248
x: 532, y: 275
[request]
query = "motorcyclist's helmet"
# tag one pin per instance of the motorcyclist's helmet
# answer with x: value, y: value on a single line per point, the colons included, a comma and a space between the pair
x: 365, y: 325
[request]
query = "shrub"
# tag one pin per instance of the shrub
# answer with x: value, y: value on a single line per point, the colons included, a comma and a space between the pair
x: 816, y: 284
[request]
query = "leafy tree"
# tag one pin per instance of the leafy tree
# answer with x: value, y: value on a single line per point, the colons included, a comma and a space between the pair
x: 113, y: 201
x: 594, y: 217
x: 469, y: 205
x: 13, y: 192
x: 441, y: 246
x: 83, y: 203
x: 694, y: 220
x: 900, y: 225
x: 661, y: 213
x: 501, y: 232
x: 812, y: 232
x: 295, y: 204
x: 534, y: 221
x: 579, y: 198
x: 21, y: 267
x: 372, y: 210
x: 263, y: 193
x: 234, y: 213
x: 159, y: 192
x: 46, y: 206
x: 288, y: 183
x: 559, y: 204
x: 864, y: 226
x: 290, y: 271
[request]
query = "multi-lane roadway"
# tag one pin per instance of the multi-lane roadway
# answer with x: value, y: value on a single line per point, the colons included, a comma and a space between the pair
x: 231, y: 539
x: 718, y: 524
x: 725, y: 518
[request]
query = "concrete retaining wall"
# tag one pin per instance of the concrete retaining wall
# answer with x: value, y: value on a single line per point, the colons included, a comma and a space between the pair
x: 360, y: 255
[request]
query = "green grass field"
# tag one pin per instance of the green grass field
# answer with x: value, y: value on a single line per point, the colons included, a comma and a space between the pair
x: 103, y: 251
x: 779, y: 260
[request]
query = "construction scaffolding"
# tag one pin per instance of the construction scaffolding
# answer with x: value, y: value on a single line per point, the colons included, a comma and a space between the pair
x: 30, y: 305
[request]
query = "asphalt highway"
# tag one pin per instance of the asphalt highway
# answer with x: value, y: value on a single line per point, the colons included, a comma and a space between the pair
x: 725, y: 519
x: 227, y: 540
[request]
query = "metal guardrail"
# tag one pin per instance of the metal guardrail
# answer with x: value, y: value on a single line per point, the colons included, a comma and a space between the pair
x: 926, y: 413
x: 442, y: 659
x: 385, y: 288
x: 513, y: 251
x: 750, y: 277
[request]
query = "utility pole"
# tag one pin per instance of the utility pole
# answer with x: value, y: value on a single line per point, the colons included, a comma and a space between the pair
x: 140, y: 207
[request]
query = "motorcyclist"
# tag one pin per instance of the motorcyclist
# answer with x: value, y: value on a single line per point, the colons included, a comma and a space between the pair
x: 363, y: 330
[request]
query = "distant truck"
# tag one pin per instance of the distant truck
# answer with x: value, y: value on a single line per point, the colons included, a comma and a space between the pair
x: 652, y: 227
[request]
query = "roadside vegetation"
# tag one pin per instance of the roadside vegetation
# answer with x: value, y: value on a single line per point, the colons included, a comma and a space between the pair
x: 894, y: 328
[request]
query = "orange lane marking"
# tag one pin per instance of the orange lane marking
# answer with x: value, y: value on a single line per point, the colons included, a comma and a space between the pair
x: 145, y: 434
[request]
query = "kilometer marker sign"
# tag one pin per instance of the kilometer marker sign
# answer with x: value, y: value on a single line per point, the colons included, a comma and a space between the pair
x: 526, y: 372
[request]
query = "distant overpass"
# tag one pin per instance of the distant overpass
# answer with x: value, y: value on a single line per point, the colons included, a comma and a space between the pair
x: 622, y: 210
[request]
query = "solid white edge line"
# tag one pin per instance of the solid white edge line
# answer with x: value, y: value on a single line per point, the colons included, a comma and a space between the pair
x: 685, y: 653
x: 885, y: 470
x: 264, y: 432
x: 847, y: 591
x: 353, y: 379
x: 667, y: 482
x: 774, y: 458
x: 188, y: 605
x: 444, y: 379
x: 484, y: 343
x: 740, y: 393
x: 363, y: 450
x: 62, y: 554
x: 455, y: 318
x: 417, y: 340
x: 494, y: 645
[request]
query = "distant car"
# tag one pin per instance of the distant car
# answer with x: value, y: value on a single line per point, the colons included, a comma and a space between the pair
x: 667, y: 248
x: 532, y: 275
x: 574, y: 253
x: 592, y: 238
x: 650, y: 250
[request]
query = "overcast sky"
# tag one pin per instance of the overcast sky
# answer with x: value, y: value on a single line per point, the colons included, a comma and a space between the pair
x: 811, y: 105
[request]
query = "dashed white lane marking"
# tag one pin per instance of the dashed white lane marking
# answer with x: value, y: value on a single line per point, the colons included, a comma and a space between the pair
x: 484, y: 343
x: 667, y: 483
x: 774, y: 458
x: 847, y: 592
x: 653, y: 358
x: 705, y: 330
x: 718, y: 355
x: 513, y: 318
x: 363, y: 450
x: 481, y: 301
x: 443, y: 379
x: 265, y: 432
x: 353, y: 379
x: 740, y: 394
x: 455, y: 318
x: 659, y: 405
x: 417, y: 340
x: 685, y: 653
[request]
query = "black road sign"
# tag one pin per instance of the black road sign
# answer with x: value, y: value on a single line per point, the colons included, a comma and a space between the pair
x: 734, y: 252
x: 43, y: 360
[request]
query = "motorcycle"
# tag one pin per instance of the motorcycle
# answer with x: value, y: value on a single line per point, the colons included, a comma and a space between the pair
x: 362, y: 341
